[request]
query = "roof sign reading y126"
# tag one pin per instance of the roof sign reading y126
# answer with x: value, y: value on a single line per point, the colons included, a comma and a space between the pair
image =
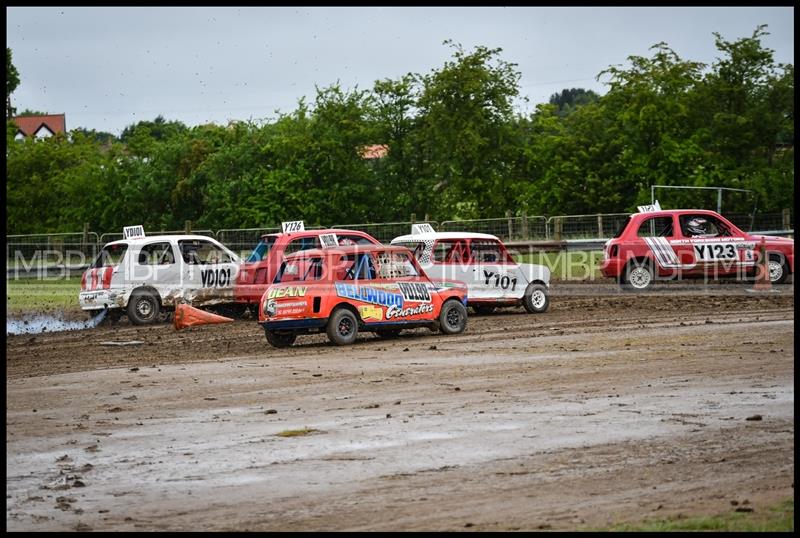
x: 423, y: 228
x: 292, y: 226
x: 328, y: 240
x: 649, y: 208
x: 132, y: 232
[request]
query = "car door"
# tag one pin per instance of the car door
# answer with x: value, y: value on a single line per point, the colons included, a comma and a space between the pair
x: 156, y: 265
x: 494, y: 274
x: 713, y: 248
x: 209, y: 271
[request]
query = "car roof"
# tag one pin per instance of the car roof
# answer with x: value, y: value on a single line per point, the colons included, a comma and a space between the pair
x: 664, y: 212
x: 148, y: 239
x: 313, y: 233
x: 432, y: 236
x: 347, y: 249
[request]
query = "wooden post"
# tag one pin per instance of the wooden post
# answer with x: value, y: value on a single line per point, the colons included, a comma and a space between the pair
x: 600, y: 226
x: 187, y: 226
x: 787, y: 219
x: 427, y: 217
x: 525, y: 234
x: 413, y: 218
x: 557, y: 228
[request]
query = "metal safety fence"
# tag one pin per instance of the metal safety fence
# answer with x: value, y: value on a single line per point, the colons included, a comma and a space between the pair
x: 78, y: 248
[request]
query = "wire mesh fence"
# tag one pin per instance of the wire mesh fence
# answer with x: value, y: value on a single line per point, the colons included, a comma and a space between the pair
x: 79, y: 248
x: 42, y: 250
x: 522, y: 228
x: 384, y: 231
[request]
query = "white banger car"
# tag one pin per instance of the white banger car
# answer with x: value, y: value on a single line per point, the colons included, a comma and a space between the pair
x: 145, y: 276
x: 481, y: 261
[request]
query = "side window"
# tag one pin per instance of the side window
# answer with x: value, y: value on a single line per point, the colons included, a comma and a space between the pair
x: 416, y: 247
x: 300, y: 270
x: 702, y: 226
x: 450, y: 251
x: 302, y: 243
x: 487, y: 252
x: 199, y: 252
x: 656, y: 227
x: 110, y: 255
x: 346, y: 239
x: 156, y: 254
x: 395, y: 265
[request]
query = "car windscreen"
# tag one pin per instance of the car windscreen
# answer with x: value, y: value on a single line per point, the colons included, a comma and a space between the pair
x: 262, y: 250
x: 110, y: 255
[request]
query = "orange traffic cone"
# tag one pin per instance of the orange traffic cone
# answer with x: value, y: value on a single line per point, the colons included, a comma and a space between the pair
x: 763, y: 283
x: 188, y: 316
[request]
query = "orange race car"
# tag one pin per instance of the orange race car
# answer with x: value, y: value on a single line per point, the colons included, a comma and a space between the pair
x: 344, y: 290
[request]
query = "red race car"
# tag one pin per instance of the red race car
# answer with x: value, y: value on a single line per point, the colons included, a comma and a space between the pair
x: 258, y: 271
x: 344, y: 290
x: 670, y: 244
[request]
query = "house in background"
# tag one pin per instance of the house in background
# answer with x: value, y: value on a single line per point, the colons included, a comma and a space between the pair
x: 375, y: 151
x: 39, y: 126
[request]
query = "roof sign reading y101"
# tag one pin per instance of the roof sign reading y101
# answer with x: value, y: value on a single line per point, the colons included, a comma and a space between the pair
x: 132, y: 232
x: 423, y: 228
x: 328, y: 240
x: 292, y: 226
x: 649, y: 208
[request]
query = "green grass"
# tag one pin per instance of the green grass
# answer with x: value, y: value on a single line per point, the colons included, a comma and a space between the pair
x: 778, y: 518
x: 32, y: 294
x: 296, y: 433
x: 568, y: 264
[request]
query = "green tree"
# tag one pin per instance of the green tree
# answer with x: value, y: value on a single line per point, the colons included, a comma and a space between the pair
x: 12, y: 81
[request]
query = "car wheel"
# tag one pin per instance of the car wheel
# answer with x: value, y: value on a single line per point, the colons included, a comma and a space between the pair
x: 388, y: 333
x: 483, y: 310
x: 342, y: 327
x: 143, y: 307
x: 778, y: 269
x: 638, y: 276
x: 536, y: 299
x: 278, y: 339
x: 453, y: 317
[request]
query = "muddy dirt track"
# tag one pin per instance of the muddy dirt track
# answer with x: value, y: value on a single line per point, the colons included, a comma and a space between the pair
x: 606, y: 409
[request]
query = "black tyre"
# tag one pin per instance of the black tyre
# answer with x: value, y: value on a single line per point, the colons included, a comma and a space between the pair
x: 638, y: 276
x: 280, y: 339
x: 536, y: 299
x: 388, y: 333
x: 453, y: 317
x: 483, y: 310
x: 143, y: 307
x: 342, y: 327
x: 778, y: 268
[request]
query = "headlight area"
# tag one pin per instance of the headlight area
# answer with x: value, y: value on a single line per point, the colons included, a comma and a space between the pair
x: 270, y: 308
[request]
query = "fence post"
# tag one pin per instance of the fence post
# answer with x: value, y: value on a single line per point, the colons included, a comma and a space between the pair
x: 510, y: 227
x: 85, y: 238
x: 427, y: 217
x: 599, y: 226
x: 787, y: 219
x: 187, y: 226
x: 413, y: 218
x: 557, y: 228
x: 525, y: 232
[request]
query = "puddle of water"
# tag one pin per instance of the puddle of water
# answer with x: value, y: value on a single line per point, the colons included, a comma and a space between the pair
x: 46, y: 323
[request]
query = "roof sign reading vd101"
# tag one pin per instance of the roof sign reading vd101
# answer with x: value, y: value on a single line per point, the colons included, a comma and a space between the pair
x: 133, y: 232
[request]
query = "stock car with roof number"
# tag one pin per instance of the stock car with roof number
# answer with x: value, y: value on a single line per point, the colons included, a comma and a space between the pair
x: 144, y: 277
x: 494, y: 279
x: 259, y: 269
x: 657, y: 244
x: 342, y: 291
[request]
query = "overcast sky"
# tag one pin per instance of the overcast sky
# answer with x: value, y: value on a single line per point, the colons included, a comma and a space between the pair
x: 106, y: 68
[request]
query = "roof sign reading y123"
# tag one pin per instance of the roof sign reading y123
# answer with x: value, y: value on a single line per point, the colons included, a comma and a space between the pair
x: 292, y: 226
x: 423, y: 228
x: 132, y: 232
x: 649, y: 208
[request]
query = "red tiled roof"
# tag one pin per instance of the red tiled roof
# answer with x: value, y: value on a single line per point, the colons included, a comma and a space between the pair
x: 375, y: 151
x: 28, y: 125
